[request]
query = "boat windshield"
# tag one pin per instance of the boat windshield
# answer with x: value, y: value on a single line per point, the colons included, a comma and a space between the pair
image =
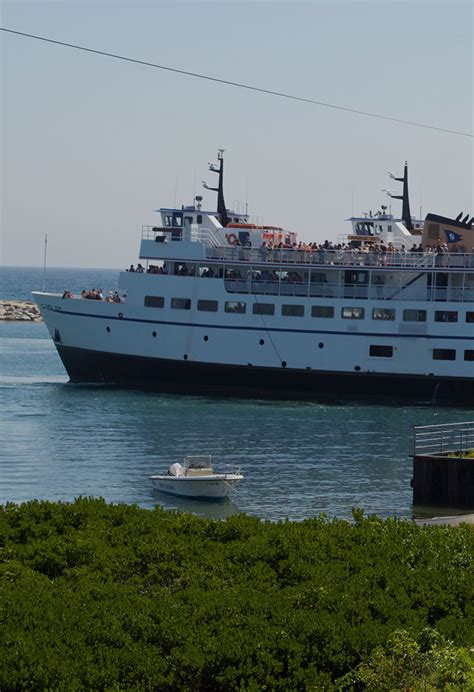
x: 198, y: 462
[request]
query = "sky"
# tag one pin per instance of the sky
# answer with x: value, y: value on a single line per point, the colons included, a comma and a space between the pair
x: 91, y: 146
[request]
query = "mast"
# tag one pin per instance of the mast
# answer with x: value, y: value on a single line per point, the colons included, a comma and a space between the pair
x: 221, y: 209
x: 406, y: 216
x: 44, y: 259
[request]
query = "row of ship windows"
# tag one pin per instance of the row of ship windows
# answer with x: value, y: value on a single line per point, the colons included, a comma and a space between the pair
x: 437, y: 353
x: 354, y: 313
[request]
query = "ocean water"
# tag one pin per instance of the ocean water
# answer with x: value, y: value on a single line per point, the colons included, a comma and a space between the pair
x: 16, y: 283
x: 60, y: 441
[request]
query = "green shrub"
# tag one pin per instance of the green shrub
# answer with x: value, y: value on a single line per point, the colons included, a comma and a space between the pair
x: 112, y: 596
x: 404, y: 663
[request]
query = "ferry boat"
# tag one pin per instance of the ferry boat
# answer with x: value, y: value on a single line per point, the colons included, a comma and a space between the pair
x: 223, y: 306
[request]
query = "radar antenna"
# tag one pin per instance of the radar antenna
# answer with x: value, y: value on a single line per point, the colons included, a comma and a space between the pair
x: 219, y: 169
x: 406, y: 216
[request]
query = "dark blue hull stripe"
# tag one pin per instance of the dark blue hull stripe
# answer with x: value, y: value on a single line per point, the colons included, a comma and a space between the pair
x: 191, y: 377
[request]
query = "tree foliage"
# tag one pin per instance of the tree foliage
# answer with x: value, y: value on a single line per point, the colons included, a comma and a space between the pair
x: 113, y: 596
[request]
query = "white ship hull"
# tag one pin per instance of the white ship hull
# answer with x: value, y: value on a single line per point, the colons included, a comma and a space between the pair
x: 208, y: 353
x: 199, y: 488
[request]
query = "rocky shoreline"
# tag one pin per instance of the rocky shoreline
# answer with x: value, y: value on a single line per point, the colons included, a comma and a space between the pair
x: 19, y: 311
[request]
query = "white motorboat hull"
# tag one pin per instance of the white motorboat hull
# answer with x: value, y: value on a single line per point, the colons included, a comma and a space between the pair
x: 203, y: 487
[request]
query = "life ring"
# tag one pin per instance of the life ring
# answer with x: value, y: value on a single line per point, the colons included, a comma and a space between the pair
x: 231, y: 238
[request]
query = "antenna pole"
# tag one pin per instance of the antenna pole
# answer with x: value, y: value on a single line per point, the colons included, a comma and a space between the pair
x: 44, y: 259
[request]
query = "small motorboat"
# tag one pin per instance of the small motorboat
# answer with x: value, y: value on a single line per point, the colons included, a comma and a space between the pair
x: 196, y: 478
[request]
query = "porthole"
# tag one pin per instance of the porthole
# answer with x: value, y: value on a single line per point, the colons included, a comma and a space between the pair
x: 320, y: 345
x: 153, y: 333
x: 107, y: 329
x: 283, y: 363
x: 185, y: 356
x: 206, y: 338
x: 120, y: 315
x: 261, y: 342
x: 357, y: 368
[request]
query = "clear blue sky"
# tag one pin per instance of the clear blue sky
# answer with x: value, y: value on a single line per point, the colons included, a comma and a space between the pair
x: 91, y: 146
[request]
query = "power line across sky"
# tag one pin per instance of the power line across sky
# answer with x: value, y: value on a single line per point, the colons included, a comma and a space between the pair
x: 238, y: 85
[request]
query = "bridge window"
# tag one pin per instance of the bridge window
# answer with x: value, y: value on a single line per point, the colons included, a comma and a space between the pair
x: 235, y: 306
x: 383, y: 314
x: 380, y: 351
x: 468, y: 354
x: 414, y: 315
x: 154, y: 302
x: 322, y: 311
x: 207, y: 305
x: 364, y: 228
x: 263, y: 309
x: 446, y: 316
x: 469, y: 316
x: 444, y: 354
x: 352, y: 313
x: 292, y: 310
x: 181, y: 303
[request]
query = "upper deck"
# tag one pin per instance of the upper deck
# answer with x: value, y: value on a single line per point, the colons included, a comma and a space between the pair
x: 199, y: 244
x: 377, y: 240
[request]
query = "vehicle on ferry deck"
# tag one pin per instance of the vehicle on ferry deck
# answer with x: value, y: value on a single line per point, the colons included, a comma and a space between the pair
x: 230, y: 307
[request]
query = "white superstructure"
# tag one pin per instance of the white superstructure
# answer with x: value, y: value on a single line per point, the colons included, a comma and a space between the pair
x: 229, y: 307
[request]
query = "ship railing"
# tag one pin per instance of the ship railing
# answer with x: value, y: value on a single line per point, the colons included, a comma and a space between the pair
x: 161, y: 234
x: 446, y: 438
x: 328, y: 289
x: 315, y: 289
x: 193, y: 234
x: 346, y: 258
x: 207, y: 237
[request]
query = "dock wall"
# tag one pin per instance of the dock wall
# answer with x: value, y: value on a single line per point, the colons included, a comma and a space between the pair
x: 442, y: 481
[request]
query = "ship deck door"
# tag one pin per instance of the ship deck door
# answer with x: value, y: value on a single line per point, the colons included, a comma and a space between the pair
x: 356, y: 283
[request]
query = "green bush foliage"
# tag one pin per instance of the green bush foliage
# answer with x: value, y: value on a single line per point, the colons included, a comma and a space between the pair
x: 429, y: 664
x: 115, y: 597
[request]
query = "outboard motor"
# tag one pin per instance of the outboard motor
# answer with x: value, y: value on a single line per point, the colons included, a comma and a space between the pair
x: 176, y: 470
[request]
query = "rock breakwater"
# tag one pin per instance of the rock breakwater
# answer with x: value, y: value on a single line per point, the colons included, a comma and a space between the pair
x: 19, y: 311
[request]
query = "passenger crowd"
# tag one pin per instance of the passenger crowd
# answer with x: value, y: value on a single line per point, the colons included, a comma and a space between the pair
x: 369, y: 254
x: 381, y: 250
x: 98, y: 294
x: 152, y: 269
x: 327, y: 253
